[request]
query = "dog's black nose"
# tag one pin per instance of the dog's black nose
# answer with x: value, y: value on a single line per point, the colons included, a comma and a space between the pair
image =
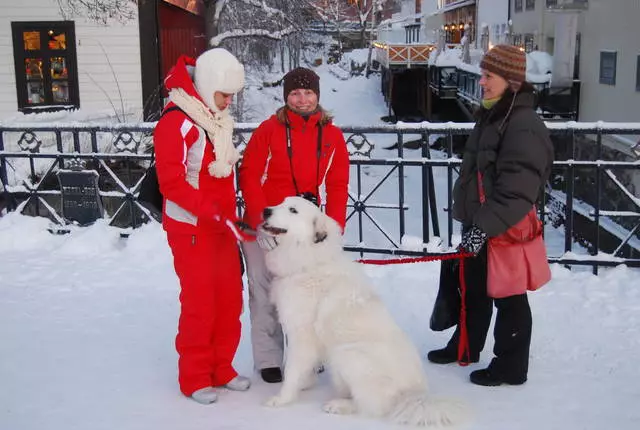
x: 266, y: 213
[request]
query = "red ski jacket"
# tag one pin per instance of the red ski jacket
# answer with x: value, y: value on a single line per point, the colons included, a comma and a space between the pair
x: 192, y: 197
x: 266, y: 174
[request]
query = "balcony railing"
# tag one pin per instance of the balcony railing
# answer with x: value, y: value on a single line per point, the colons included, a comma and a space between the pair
x: 393, y: 194
x: 402, y: 54
x: 443, y: 81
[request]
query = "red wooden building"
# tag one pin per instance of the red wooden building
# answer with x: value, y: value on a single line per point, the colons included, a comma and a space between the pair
x: 168, y: 29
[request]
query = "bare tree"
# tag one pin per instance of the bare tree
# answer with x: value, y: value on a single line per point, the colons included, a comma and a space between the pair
x: 261, y: 18
x: 99, y: 10
x: 333, y: 13
x: 255, y: 29
x: 363, y: 10
x: 232, y: 19
x: 252, y: 29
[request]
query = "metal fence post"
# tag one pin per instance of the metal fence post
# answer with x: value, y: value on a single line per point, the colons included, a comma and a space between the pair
x: 4, y: 177
x: 598, y: 195
x: 401, y: 187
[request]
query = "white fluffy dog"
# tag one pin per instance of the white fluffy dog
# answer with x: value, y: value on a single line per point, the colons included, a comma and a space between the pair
x: 331, y: 315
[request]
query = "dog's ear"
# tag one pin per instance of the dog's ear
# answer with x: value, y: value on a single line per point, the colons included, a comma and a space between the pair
x: 320, y: 229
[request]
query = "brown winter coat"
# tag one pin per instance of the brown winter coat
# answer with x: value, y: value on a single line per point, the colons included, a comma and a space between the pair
x: 514, y: 168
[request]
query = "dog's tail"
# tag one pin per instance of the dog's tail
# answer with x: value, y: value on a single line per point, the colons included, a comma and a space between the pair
x: 422, y: 410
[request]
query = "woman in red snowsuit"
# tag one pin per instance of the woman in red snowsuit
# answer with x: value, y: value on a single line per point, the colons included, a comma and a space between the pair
x: 194, y: 162
x: 298, y: 151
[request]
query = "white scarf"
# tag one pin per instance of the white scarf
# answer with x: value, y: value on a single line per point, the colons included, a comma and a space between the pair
x: 219, y: 128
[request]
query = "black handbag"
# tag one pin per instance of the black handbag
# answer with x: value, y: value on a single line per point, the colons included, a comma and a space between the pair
x: 150, y: 196
x: 446, y: 309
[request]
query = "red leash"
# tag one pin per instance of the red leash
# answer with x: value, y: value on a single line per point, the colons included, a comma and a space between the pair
x: 463, y: 343
x: 437, y: 257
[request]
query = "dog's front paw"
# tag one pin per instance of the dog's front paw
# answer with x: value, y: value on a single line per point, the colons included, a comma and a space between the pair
x: 277, y: 401
x: 340, y: 407
x: 310, y: 381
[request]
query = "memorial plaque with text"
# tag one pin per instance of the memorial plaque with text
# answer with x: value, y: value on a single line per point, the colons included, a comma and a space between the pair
x: 81, y: 201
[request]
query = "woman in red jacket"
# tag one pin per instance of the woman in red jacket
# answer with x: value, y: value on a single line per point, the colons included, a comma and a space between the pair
x: 194, y: 161
x: 298, y: 151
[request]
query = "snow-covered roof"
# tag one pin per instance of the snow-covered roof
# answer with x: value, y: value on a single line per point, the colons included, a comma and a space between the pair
x: 452, y: 6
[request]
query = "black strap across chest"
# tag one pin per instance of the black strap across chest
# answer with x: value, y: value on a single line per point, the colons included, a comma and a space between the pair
x: 171, y: 109
x: 318, y: 153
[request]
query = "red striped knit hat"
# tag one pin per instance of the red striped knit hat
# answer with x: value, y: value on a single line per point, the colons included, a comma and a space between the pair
x: 508, y: 61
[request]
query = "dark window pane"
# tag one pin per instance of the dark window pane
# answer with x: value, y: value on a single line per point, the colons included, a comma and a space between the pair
x: 60, y: 91
x: 35, y: 92
x: 518, y: 5
x: 531, y: 4
x: 57, y: 40
x: 528, y: 42
x: 31, y: 40
x: 33, y: 68
x: 59, y: 68
x: 45, y: 60
x: 608, y: 67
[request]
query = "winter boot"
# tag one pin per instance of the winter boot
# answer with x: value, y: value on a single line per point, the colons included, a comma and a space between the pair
x: 446, y: 356
x: 442, y: 356
x: 205, y: 396
x: 487, y: 378
x: 272, y: 375
x: 239, y: 383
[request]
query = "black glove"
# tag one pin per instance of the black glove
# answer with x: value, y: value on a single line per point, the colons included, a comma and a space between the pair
x: 243, y: 226
x: 473, y: 240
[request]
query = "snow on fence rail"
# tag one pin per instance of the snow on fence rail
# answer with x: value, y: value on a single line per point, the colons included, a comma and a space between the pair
x: 586, y: 127
x: 32, y: 153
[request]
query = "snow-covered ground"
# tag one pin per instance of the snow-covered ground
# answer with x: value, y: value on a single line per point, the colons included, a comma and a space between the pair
x: 87, y: 323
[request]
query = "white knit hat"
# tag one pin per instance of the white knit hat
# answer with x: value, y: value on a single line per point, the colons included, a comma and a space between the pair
x: 217, y: 70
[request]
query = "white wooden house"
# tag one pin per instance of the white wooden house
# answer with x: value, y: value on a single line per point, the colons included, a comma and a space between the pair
x: 50, y: 63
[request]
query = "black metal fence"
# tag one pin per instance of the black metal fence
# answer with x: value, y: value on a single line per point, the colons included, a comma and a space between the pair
x: 400, y: 187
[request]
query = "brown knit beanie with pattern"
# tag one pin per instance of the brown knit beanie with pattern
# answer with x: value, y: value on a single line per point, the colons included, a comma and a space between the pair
x: 508, y: 61
x: 300, y: 78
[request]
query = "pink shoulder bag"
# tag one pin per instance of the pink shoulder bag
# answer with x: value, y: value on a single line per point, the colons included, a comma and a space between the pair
x: 516, y: 259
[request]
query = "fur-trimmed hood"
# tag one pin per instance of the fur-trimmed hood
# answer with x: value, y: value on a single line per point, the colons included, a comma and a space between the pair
x: 322, y: 116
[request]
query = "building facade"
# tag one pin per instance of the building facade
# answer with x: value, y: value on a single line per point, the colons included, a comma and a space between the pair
x: 535, y: 21
x: 610, y: 62
x: 606, y: 50
x: 494, y: 14
x: 52, y: 63
x: 459, y: 16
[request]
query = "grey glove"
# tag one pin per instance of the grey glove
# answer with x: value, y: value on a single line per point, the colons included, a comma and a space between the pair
x: 265, y: 240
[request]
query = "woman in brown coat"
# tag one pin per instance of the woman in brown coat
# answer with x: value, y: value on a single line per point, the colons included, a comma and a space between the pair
x: 511, y: 149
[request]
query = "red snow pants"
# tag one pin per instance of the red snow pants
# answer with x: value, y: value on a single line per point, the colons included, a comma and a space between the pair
x: 208, y: 267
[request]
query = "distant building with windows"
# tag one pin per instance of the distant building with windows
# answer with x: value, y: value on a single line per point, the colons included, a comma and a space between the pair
x: 606, y: 50
x: 494, y: 14
x: 458, y: 14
